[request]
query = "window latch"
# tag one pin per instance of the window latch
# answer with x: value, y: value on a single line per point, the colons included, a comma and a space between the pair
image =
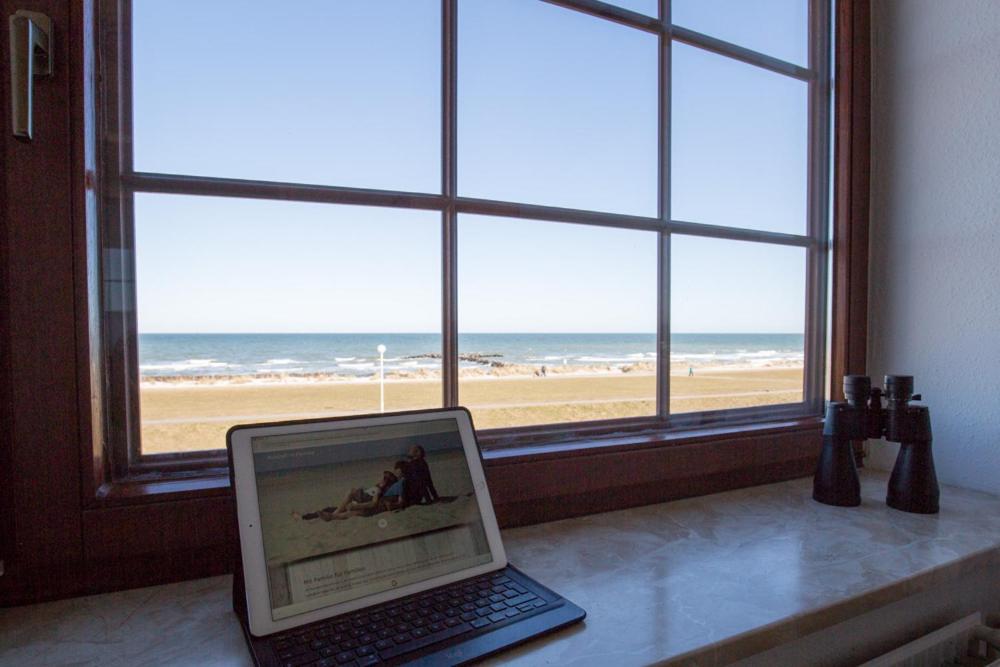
x: 30, y: 58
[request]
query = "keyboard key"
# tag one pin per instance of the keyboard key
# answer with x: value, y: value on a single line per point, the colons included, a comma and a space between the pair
x: 501, y: 580
x: 328, y: 652
x: 497, y: 616
x: 498, y: 606
x: 485, y: 611
x: 420, y: 642
x: 510, y: 594
x: 480, y: 622
x: 527, y: 606
x: 367, y: 661
x: 451, y: 622
x: 520, y: 599
x: 468, y: 616
x: 345, y: 657
x: 402, y: 638
x: 518, y: 587
x: 510, y: 613
x: 365, y: 650
x: 539, y: 603
x: 383, y: 644
x: 435, y: 627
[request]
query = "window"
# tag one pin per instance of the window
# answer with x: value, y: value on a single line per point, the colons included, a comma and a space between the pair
x: 567, y: 216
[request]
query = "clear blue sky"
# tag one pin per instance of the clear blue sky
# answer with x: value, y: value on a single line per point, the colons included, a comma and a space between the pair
x: 555, y: 107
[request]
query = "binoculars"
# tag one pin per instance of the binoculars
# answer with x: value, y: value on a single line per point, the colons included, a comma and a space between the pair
x: 913, y: 485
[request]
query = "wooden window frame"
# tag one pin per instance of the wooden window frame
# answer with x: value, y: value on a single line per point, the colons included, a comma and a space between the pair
x: 76, y: 524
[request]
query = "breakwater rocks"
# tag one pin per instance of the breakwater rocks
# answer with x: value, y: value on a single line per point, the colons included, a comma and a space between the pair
x: 471, y: 357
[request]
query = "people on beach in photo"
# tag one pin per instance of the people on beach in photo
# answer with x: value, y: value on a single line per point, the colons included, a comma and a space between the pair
x: 419, y: 484
x: 383, y: 496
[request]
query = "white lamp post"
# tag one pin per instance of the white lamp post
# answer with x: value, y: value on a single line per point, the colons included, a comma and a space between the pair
x: 381, y: 377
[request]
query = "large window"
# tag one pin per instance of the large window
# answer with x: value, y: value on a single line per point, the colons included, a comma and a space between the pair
x: 564, y: 215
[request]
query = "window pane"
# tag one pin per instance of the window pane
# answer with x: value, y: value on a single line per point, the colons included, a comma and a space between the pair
x: 334, y: 93
x: 739, y: 144
x: 257, y: 311
x: 556, y: 107
x: 557, y: 322
x: 647, y: 7
x: 738, y: 318
x: 779, y: 28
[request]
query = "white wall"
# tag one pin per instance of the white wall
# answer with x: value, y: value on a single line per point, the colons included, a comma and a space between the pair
x: 935, y: 254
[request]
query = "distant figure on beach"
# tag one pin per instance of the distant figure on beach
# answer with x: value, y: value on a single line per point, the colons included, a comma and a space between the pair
x: 543, y: 371
x: 384, y: 496
x: 690, y: 371
x: 419, y: 487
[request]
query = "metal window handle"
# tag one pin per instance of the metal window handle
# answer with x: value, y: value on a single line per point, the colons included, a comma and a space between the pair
x: 30, y: 57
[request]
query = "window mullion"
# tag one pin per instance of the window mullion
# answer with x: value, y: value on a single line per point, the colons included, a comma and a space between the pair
x: 449, y: 218
x: 663, y: 208
x: 818, y: 198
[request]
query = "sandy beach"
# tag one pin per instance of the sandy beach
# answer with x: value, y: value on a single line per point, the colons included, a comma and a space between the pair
x: 190, y: 415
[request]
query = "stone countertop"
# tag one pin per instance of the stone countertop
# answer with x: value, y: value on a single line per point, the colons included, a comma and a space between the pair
x: 707, y: 580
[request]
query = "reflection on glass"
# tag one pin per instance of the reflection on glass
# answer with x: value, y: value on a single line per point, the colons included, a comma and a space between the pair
x: 334, y: 93
x: 739, y: 144
x: 253, y: 311
x: 556, y: 107
x: 738, y: 318
x: 556, y: 322
x: 778, y: 28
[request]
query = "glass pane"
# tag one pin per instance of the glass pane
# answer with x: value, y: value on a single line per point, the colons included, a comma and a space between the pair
x: 738, y: 319
x: 647, y: 7
x: 779, y: 28
x: 260, y: 310
x: 556, y: 107
x: 557, y: 322
x: 739, y: 144
x: 334, y: 93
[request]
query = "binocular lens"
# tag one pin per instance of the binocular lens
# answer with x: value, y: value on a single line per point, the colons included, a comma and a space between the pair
x: 899, y: 387
x: 857, y: 388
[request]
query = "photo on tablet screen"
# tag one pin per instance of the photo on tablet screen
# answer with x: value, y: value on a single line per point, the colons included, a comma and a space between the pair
x: 347, y: 513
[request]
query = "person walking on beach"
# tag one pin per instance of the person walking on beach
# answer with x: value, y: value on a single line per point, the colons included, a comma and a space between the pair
x: 690, y: 371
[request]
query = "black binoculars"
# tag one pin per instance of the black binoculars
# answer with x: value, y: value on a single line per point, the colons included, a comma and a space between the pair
x: 913, y: 485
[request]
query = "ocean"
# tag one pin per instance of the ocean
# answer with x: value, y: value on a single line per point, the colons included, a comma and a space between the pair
x: 354, y: 355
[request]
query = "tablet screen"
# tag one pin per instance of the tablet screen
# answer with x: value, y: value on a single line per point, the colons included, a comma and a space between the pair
x: 352, y: 512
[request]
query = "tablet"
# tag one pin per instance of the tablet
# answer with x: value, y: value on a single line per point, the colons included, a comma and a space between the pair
x: 340, y: 514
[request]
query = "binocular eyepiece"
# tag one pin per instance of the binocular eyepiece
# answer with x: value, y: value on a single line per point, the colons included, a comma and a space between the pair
x: 913, y: 485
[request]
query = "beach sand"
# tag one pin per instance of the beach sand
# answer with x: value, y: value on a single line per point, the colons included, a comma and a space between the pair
x: 190, y: 416
x: 288, y: 539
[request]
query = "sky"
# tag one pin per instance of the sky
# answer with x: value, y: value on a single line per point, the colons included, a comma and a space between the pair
x: 554, y: 107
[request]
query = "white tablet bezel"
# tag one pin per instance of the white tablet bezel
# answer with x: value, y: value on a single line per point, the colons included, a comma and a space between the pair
x: 248, y: 514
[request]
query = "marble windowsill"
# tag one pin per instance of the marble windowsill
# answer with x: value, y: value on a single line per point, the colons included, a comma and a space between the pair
x: 710, y: 579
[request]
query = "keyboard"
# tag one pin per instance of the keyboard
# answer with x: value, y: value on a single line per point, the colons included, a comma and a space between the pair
x: 386, y: 633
